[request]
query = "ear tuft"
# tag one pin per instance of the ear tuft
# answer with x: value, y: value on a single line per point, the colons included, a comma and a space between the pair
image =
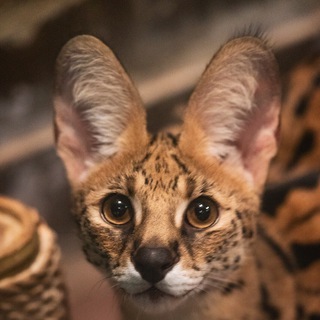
x: 233, y: 112
x: 98, y: 111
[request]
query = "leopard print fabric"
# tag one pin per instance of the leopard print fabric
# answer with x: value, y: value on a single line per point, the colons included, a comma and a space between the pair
x: 299, y: 149
x: 292, y: 196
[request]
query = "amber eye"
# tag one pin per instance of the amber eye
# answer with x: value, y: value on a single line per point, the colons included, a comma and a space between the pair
x: 202, y: 213
x: 117, y: 209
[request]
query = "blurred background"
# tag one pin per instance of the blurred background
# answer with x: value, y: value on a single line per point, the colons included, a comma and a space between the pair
x: 163, y: 44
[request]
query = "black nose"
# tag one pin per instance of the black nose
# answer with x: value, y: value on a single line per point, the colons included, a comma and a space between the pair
x: 154, y: 263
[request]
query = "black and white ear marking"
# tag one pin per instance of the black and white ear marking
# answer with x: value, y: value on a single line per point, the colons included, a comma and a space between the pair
x: 233, y: 112
x: 98, y: 111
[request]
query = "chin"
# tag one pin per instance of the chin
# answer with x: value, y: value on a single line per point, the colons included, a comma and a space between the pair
x: 156, y: 301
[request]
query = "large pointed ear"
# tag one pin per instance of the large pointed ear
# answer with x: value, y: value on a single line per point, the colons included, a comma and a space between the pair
x: 233, y: 113
x: 98, y: 112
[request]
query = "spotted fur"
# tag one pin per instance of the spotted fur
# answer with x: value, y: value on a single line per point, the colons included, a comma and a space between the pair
x: 245, y: 264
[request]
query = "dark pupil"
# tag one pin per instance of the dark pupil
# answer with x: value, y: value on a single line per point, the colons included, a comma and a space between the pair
x: 202, y: 211
x: 118, y: 208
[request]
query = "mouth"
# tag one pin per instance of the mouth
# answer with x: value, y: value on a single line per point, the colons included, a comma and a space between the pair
x: 155, y: 295
x: 154, y: 300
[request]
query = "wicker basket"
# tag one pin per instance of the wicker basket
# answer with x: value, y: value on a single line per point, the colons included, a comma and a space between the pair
x: 31, y: 285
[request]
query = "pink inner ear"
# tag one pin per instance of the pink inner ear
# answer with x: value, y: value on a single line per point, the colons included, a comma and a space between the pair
x: 258, y: 141
x: 72, y: 141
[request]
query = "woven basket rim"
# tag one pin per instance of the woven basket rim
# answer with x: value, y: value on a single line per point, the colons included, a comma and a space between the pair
x: 26, y: 217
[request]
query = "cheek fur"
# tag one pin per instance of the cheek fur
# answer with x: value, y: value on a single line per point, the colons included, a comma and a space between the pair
x: 127, y: 278
x: 181, y: 280
x: 220, y: 249
x: 103, y: 243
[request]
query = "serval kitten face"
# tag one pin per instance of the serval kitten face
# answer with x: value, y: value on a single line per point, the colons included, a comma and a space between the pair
x: 167, y: 217
x: 198, y: 250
